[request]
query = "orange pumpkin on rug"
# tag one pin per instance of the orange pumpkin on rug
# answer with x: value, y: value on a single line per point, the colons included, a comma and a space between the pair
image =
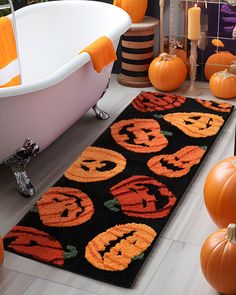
x: 64, y: 206
x: 118, y: 246
x: 96, y: 164
x: 219, y: 192
x: 177, y: 164
x: 196, y: 124
x: 167, y: 72
x: 215, y: 105
x: 218, y: 260
x: 141, y: 196
x: 154, y: 101
x: 139, y: 135
x: 39, y: 245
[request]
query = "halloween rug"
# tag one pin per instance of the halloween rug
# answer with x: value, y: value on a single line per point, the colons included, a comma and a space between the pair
x: 103, y: 216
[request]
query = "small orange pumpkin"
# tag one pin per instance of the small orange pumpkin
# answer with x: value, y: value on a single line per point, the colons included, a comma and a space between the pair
x: 96, y: 164
x: 139, y: 135
x: 218, y: 260
x: 215, y: 105
x: 167, y: 72
x: 181, y: 53
x: 223, y: 84
x: 177, y: 164
x: 135, y: 9
x: 218, y: 62
x: 219, y: 192
x: 64, y: 207
x: 118, y: 246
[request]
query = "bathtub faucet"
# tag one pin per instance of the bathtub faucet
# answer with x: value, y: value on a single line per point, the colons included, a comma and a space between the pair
x: 18, y: 162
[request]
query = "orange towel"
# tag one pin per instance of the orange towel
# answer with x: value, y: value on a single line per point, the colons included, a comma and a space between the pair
x: 101, y: 52
x: 9, y: 67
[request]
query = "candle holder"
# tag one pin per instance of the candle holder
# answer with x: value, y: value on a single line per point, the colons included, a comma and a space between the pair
x: 192, y: 90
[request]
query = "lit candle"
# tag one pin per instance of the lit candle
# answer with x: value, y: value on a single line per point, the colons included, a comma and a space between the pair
x: 194, y: 23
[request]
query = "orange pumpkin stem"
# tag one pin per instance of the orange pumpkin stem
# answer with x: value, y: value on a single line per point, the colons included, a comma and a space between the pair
x: 231, y: 233
x: 166, y: 57
x: 226, y: 74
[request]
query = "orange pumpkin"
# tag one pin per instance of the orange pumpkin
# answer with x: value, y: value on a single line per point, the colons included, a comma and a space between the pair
x: 135, y: 9
x: 139, y: 135
x: 118, y: 246
x: 177, y: 164
x: 218, y: 62
x: 1, y: 251
x: 219, y: 192
x: 196, y: 124
x: 223, y: 84
x: 64, y: 206
x: 215, y: 105
x: 217, y: 43
x: 167, y: 72
x: 181, y: 53
x: 96, y: 164
x: 218, y: 260
x: 141, y: 196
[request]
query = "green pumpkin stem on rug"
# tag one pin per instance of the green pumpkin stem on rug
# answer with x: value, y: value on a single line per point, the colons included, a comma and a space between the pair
x: 158, y: 116
x: 138, y: 257
x: 34, y: 209
x: 72, y: 252
x: 166, y: 133
x: 110, y: 204
x: 204, y: 147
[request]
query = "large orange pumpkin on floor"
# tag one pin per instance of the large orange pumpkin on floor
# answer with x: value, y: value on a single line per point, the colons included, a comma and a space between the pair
x: 219, y: 192
x: 218, y: 62
x: 218, y: 260
x: 223, y: 84
x: 135, y: 9
x: 167, y: 72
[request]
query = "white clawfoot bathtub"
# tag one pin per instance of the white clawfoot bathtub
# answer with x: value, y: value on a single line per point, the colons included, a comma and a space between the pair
x: 59, y: 85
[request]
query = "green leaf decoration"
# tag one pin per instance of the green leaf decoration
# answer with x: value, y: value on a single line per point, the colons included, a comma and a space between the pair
x: 34, y: 209
x: 110, y: 204
x: 72, y: 252
x: 158, y: 116
x: 204, y: 147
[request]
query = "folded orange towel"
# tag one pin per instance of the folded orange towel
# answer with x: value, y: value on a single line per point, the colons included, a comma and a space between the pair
x: 101, y: 52
x: 9, y: 67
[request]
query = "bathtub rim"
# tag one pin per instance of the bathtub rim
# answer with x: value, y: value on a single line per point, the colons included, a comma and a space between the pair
x: 75, y: 63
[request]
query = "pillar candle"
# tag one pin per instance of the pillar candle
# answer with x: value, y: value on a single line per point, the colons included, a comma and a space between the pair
x: 194, y: 23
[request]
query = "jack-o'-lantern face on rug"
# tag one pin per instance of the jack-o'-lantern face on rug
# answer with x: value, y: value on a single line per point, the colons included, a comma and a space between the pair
x: 64, y: 206
x: 96, y: 164
x: 118, y: 246
x: 38, y: 244
x: 196, y: 124
x: 139, y: 135
x: 177, y: 164
x: 141, y: 196
x: 215, y: 105
x: 153, y: 101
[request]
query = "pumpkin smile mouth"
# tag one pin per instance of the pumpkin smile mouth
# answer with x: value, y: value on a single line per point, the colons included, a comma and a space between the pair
x: 171, y: 166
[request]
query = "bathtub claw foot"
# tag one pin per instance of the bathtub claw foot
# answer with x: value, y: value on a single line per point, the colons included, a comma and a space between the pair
x: 100, y: 114
x: 18, y: 162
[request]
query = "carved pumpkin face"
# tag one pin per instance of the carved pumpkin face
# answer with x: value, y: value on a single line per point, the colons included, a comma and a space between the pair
x: 139, y: 135
x: 154, y: 101
x: 38, y: 244
x: 96, y: 164
x: 177, y: 164
x: 142, y: 196
x: 215, y: 105
x: 114, y: 249
x: 196, y: 124
x: 64, y: 206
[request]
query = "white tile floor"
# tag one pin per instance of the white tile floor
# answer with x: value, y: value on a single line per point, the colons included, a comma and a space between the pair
x: 172, y: 268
